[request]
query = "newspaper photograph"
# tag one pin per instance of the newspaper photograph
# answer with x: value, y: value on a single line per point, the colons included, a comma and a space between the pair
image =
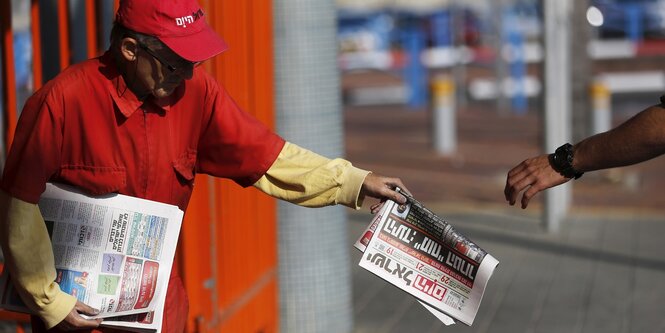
x: 113, y: 253
x: 412, y: 248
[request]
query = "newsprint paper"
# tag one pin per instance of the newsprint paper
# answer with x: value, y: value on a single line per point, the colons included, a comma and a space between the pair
x: 420, y: 253
x: 113, y: 253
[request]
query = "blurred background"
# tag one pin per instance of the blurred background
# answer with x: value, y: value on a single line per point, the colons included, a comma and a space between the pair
x: 448, y: 95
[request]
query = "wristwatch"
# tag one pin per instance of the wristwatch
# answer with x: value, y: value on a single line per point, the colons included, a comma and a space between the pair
x: 562, y: 162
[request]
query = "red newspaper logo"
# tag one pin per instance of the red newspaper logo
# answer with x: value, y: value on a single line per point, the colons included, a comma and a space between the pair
x: 429, y: 287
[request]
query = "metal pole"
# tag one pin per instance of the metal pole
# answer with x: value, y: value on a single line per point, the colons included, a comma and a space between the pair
x: 415, y: 73
x: 459, y: 69
x: 602, y: 107
x: 634, y: 29
x: 444, y: 115
x: 314, y: 269
x: 557, y: 101
x: 501, y: 67
x: 517, y: 71
x: 581, y: 71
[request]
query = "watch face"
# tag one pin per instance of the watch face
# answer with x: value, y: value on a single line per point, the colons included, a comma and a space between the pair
x: 563, y: 159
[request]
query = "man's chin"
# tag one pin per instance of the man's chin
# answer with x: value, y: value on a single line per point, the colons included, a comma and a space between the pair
x: 163, y: 92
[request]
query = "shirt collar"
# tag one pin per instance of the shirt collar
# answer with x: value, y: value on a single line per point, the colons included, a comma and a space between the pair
x: 126, y: 101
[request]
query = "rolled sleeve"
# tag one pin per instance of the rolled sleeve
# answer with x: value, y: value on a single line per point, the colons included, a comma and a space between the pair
x: 349, y: 194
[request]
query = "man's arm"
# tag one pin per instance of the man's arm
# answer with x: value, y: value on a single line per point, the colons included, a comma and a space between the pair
x: 29, y: 258
x: 638, y: 139
x: 308, y: 179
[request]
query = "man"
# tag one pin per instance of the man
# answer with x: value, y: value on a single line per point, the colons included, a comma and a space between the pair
x: 141, y: 120
x: 638, y: 139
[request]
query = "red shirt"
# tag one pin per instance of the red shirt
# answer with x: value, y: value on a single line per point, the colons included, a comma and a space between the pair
x: 85, y: 128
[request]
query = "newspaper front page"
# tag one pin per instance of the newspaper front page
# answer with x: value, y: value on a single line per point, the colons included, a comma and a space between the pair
x: 361, y: 244
x: 420, y: 253
x: 113, y: 253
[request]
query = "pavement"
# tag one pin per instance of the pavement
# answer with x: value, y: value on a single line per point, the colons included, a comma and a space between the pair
x: 600, y: 273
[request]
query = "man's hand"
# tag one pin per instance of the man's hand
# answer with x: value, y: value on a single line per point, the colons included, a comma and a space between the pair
x: 74, y: 321
x: 536, y: 174
x: 382, y: 188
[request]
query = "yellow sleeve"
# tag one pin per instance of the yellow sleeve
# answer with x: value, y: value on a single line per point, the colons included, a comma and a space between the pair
x: 29, y: 258
x: 308, y: 179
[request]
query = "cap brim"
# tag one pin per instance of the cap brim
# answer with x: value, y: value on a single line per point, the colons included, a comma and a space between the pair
x: 197, y: 47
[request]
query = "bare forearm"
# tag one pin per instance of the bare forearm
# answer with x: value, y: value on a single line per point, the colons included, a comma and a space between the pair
x: 638, y: 139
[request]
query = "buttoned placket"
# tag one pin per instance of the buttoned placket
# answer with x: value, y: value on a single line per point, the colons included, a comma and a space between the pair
x: 153, y: 156
x: 145, y: 164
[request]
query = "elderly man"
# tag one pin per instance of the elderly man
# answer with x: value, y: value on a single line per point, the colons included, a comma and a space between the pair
x: 141, y: 120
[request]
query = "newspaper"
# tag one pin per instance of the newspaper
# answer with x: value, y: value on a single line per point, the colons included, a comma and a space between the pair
x: 113, y: 253
x: 420, y: 253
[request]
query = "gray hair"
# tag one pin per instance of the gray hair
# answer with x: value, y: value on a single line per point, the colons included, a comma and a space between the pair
x: 118, y: 32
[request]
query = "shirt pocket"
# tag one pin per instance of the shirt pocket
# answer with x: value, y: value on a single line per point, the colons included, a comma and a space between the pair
x: 185, y: 167
x: 182, y: 184
x: 95, y: 180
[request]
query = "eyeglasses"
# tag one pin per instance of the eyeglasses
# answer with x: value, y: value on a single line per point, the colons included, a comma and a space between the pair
x: 182, y: 63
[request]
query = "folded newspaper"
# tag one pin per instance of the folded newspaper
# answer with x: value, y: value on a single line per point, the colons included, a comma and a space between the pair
x: 113, y: 253
x: 420, y: 253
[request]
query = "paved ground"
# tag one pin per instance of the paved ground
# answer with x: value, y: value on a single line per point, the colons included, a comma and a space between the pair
x: 601, y: 273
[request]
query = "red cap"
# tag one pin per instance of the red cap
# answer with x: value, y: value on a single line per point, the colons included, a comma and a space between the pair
x: 177, y: 23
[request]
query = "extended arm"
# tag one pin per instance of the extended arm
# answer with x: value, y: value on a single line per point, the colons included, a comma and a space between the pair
x: 308, y: 179
x: 638, y: 139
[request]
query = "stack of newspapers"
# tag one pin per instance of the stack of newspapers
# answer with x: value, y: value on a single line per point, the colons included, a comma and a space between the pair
x: 113, y: 253
x: 420, y: 253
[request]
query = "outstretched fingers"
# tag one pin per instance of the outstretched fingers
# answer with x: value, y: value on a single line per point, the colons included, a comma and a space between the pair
x: 530, y: 177
x: 516, y: 181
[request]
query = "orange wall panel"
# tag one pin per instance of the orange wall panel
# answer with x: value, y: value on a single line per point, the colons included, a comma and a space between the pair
x: 242, y: 244
x: 195, y: 251
x: 36, y: 45
x: 227, y: 251
x: 8, y: 74
x: 63, y: 33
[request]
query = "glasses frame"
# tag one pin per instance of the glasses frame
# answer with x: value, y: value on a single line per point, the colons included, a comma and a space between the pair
x: 163, y: 61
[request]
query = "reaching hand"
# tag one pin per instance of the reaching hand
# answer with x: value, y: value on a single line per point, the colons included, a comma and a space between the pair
x: 74, y: 320
x: 536, y: 174
x: 383, y: 188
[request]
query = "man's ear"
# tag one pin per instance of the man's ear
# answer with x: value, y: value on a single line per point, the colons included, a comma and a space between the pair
x: 129, y: 48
